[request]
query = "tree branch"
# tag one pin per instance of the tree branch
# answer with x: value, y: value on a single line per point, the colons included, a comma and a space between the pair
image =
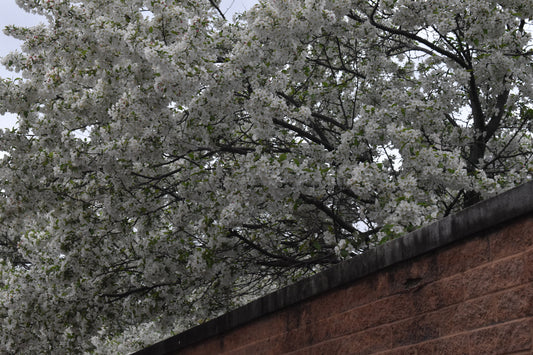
x: 212, y: 2
x: 234, y: 233
x: 302, y: 133
x: 318, y: 204
x: 144, y: 289
x: 496, y: 119
x: 411, y: 36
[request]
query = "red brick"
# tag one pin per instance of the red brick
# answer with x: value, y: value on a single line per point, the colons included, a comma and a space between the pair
x: 298, y: 338
x: 463, y: 256
x: 484, y: 311
x: 324, y: 306
x: 531, y: 330
x: 495, y: 276
x: 270, y: 346
x: 327, y: 348
x: 512, y: 239
x: 212, y: 346
x: 502, y: 338
x: 516, y: 303
x: 453, y: 345
x: 438, y: 294
x: 327, y: 329
x: 412, y: 274
x: 393, y: 308
x: 365, y: 290
x: 528, y: 261
x: 461, y: 317
x: 367, y: 342
x: 415, y: 330
x: 374, y: 314
x: 406, y: 350
x: 294, y: 315
x: 262, y: 328
x: 352, y: 321
x: 318, y: 308
x: 312, y: 333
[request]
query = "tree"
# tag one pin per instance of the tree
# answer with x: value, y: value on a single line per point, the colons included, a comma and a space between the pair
x: 169, y: 165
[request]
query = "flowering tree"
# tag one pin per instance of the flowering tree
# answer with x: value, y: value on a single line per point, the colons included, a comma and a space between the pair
x: 168, y: 165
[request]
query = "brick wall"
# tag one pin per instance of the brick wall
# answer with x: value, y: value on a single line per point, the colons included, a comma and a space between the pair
x: 461, y: 286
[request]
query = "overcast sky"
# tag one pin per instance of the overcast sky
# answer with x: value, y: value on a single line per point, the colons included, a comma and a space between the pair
x: 11, y: 14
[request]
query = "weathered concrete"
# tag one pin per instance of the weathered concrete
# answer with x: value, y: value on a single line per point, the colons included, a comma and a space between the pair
x: 481, y: 217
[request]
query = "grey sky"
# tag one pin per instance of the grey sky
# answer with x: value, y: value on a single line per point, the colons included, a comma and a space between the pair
x: 11, y: 14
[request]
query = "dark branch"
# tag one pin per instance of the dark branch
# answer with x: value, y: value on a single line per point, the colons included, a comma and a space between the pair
x: 142, y: 290
x: 412, y: 36
x: 212, y: 2
x: 302, y: 133
x: 318, y: 204
x: 495, y: 121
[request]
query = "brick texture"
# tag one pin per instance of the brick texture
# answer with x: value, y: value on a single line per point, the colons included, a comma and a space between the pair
x: 471, y: 297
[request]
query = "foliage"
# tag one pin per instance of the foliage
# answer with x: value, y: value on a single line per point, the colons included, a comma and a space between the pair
x: 169, y: 165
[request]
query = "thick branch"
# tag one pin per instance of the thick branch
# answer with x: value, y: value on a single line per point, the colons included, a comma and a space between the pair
x: 302, y: 133
x: 234, y: 233
x: 496, y: 119
x: 320, y: 116
x: 318, y: 204
x: 412, y: 36
x: 144, y: 289
x: 212, y: 2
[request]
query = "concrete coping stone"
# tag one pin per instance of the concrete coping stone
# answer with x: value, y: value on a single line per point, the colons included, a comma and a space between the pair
x: 484, y: 215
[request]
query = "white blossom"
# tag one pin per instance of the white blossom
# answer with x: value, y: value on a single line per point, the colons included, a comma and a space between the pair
x: 168, y: 165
